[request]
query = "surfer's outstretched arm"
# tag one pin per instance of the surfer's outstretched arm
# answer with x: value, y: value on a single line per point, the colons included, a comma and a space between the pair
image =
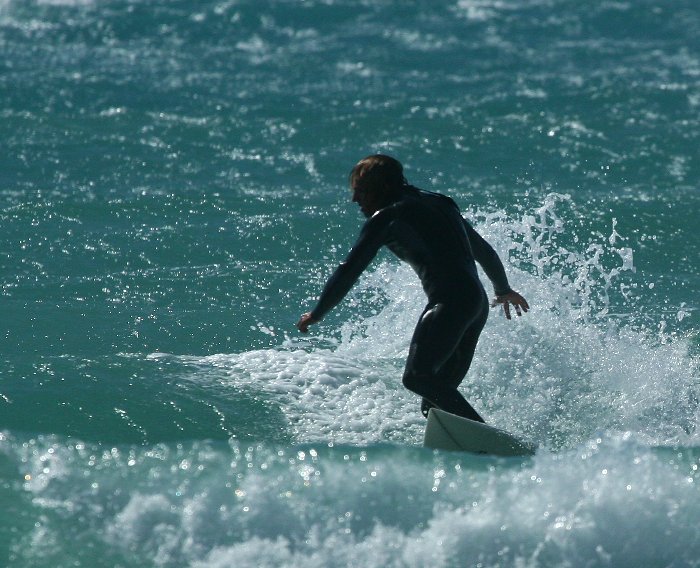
x: 371, y: 238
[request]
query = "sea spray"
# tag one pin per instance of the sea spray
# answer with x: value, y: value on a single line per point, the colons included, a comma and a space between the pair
x: 565, y: 371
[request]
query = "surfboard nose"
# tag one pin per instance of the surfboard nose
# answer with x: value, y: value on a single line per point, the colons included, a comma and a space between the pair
x: 445, y: 431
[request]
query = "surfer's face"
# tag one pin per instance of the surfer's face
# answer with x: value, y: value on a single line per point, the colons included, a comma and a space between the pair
x: 368, y: 200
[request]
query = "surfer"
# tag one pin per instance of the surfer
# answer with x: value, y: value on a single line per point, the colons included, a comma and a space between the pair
x: 427, y: 230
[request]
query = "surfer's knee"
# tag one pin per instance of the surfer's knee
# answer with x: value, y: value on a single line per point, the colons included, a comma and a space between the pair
x: 418, y: 383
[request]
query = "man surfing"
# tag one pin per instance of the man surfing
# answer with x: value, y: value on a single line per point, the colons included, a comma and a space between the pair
x: 426, y: 230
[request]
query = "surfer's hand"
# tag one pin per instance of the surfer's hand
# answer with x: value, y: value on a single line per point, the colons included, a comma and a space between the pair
x: 519, y: 303
x: 304, y: 323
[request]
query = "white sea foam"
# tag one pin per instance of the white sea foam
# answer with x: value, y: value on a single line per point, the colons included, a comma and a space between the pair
x: 328, y: 395
x: 207, y: 505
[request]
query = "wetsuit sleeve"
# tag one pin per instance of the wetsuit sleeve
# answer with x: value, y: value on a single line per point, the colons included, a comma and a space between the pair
x: 372, y: 237
x: 487, y: 257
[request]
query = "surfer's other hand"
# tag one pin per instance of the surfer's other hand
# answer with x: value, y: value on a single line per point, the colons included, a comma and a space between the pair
x: 519, y: 303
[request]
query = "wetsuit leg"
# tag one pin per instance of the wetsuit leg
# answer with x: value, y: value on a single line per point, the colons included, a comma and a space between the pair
x: 456, y: 367
x: 441, y: 351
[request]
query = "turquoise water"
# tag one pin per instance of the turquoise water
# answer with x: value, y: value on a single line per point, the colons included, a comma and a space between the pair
x: 173, y: 195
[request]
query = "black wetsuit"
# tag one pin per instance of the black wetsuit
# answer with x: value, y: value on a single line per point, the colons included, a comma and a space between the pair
x: 427, y: 230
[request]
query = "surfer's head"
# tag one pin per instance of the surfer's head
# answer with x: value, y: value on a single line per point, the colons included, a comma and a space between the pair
x: 375, y: 181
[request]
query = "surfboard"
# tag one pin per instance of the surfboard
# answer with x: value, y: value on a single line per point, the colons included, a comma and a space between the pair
x: 446, y: 431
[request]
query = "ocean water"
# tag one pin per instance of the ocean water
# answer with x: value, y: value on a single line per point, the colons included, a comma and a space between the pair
x: 173, y: 195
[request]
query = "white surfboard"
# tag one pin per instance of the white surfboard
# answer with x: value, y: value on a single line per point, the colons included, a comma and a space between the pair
x: 447, y: 431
